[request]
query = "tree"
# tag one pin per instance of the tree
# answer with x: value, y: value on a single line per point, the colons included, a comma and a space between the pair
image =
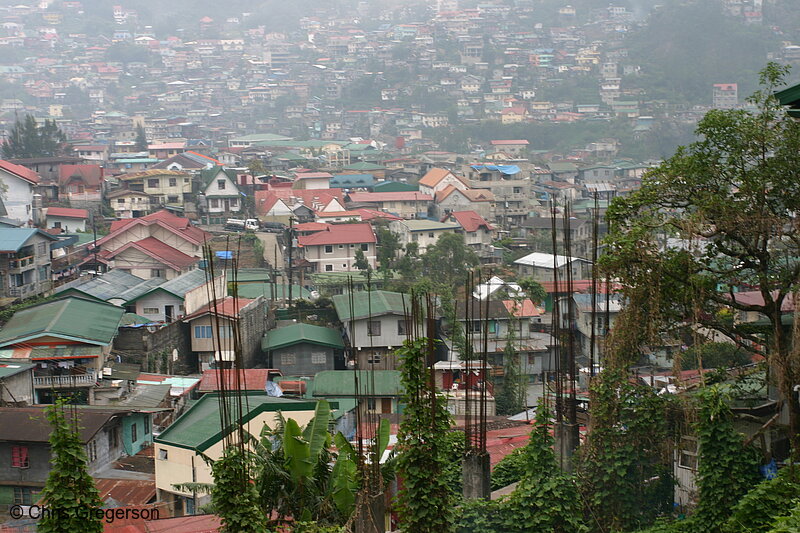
x: 714, y: 355
x: 388, y: 248
x: 533, y: 290
x: 449, y: 259
x: 233, y: 496
x: 730, y: 199
x: 27, y: 139
x: 361, y: 262
x: 141, y: 138
x: 69, y: 492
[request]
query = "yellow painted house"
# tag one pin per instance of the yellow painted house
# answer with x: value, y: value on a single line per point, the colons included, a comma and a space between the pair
x: 198, y: 431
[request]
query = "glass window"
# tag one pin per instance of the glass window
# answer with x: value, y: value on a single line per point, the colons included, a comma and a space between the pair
x: 328, y: 268
x: 221, y: 185
x: 328, y: 248
x: 163, y: 455
x: 402, y: 327
x: 374, y: 327
x: 374, y: 359
x: 121, y: 200
x: 365, y: 247
x: 19, y: 457
x: 156, y: 273
x: 134, y: 432
x: 287, y: 359
x: 318, y: 358
x: 173, y: 182
x: 91, y: 451
x: 146, y: 425
x: 152, y: 183
x: 23, y: 496
x: 202, y: 332
x: 150, y: 311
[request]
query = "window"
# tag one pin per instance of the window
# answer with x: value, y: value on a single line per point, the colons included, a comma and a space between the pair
x: 328, y: 248
x: 221, y: 185
x: 23, y: 496
x: 374, y: 359
x: 328, y: 268
x: 150, y: 311
x: 113, y: 437
x: 41, y: 248
x: 156, y: 273
x: 146, y: 425
x: 688, y: 451
x: 19, y: 457
x: 202, y: 332
x: 214, y: 203
x: 318, y: 358
x: 371, y: 404
x: 56, y: 224
x: 374, y: 327
x: 91, y: 451
x: 152, y: 183
x: 234, y: 202
x: 185, y: 181
x: 120, y: 201
x: 365, y: 247
x: 172, y: 199
x: 287, y: 359
x: 162, y: 454
x: 430, y: 235
x: 134, y: 432
x: 402, y: 327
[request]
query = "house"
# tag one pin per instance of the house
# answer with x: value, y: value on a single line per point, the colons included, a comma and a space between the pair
x: 66, y: 219
x: 539, y: 231
x: 156, y: 245
x: 25, y: 262
x: 606, y: 309
x: 312, y: 181
x: 379, y: 322
x: 449, y: 199
x: 404, y: 204
x: 303, y: 349
x: 477, y: 232
x: 188, y: 161
x: 334, y: 248
x: 514, y: 147
x: 128, y: 203
x: 222, y: 195
x: 19, y: 183
x: 437, y: 179
x: 25, y: 452
x: 166, y: 301
x: 380, y: 391
x: 164, y: 186
x: 199, y: 431
x: 249, y: 379
x: 212, y: 329
x: 68, y: 339
x: 108, y: 287
x: 513, y: 115
x: 423, y: 233
x: 541, y: 266
x: 80, y: 184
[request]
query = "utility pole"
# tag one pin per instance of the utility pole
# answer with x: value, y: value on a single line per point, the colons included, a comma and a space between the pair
x: 290, y: 246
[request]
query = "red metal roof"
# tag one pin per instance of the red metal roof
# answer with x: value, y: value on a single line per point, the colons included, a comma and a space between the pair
x: 206, y: 523
x: 178, y: 225
x: 67, y: 212
x: 127, y: 491
x: 91, y: 175
x: 249, y: 379
x: 340, y: 234
x: 20, y: 171
x: 228, y: 307
x: 160, y: 251
x: 470, y: 220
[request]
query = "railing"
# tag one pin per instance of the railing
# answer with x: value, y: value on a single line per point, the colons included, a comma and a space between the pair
x: 31, y: 289
x: 21, y: 262
x: 77, y: 380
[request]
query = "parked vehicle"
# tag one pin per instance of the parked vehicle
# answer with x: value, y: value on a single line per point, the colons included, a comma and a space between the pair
x: 238, y: 224
x: 273, y: 227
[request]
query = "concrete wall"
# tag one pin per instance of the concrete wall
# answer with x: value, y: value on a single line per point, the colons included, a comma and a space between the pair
x: 144, y: 432
x: 134, y: 344
x: 68, y: 224
x: 159, y: 300
x: 17, y: 390
x: 302, y: 356
x: 18, y: 197
x: 341, y: 258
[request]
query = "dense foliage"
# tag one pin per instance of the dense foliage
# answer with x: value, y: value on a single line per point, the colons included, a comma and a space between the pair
x: 69, y: 492
x: 234, y: 497
x: 425, y: 502
x: 714, y: 355
x: 29, y: 139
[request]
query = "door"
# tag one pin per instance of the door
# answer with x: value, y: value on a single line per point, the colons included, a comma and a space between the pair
x: 386, y: 405
x: 169, y: 311
x: 226, y: 204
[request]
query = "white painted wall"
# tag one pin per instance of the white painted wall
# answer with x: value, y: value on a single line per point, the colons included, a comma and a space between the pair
x: 18, y: 196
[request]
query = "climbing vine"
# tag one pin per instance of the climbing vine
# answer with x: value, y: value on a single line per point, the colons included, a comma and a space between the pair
x: 69, y: 492
x: 233, y: 496
x: 425, y: 502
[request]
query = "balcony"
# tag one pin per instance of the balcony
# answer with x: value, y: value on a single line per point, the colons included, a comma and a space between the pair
x: 21, y: 263
x: 31, y: 289
x: 65, y: 381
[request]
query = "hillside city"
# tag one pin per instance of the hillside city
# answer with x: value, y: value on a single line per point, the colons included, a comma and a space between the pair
x: 413, y: 266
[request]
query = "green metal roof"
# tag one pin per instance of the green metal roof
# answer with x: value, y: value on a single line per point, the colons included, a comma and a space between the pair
x: 380, y: 383
x: 301, y: 333
x: 178, y: 287
x: 199, y: 427
x: 10, y: 369
x: 112, y: 284
x: 259, y: 137
x: 244, y: 275
x: 254, y: 290
x: 371, y: 303
x: 69, y: 318
x: 395, y: 186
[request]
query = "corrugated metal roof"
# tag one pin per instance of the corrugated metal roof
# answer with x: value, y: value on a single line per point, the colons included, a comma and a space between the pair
x: 110, y: 285
x: 70, y: 318
x: 301, y: 333
x: 333, y: 383
x: 12, y: 239
x: 127, y: 491
x: 371, y: 303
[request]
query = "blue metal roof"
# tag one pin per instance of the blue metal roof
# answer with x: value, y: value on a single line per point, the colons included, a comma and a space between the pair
x: 12, y: 239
